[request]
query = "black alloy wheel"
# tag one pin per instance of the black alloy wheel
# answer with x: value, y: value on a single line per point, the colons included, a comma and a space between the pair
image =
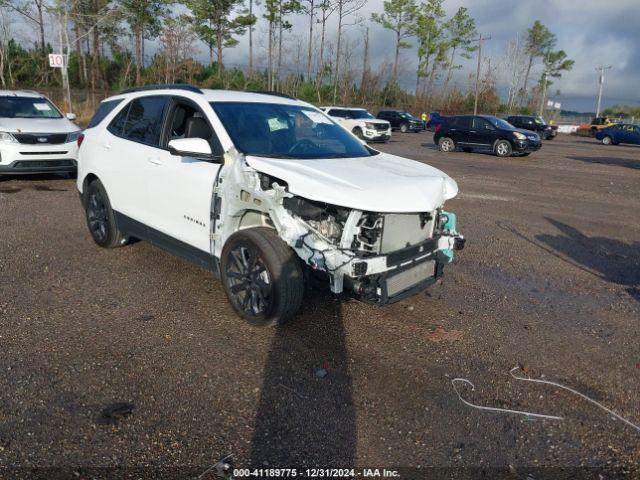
x: 250, y: 284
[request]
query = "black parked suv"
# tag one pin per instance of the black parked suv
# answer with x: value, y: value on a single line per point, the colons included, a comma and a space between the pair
x: 402, y: 121
x: 484, y: 132
x: 535, y: 124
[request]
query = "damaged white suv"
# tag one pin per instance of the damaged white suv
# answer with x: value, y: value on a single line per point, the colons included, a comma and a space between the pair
x: 265, y: 191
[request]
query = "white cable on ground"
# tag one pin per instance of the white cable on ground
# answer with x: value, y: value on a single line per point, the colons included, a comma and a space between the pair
x: 556, y: 384
x: 495, y: 409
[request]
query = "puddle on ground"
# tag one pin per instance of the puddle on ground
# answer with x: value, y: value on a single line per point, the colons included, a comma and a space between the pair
x: 114, y: 412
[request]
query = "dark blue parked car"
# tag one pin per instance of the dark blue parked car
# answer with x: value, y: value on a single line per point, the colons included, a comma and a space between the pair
x: 620, y: 133
x: 435, y: 119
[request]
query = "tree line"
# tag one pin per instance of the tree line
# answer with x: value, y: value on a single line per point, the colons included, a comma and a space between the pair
x: 327, y: 59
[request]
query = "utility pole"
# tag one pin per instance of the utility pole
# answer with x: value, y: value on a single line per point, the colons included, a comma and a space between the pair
x: 63, y: 38
x: 600, y: 69
x: 545, y: 77
x: 479, y: 40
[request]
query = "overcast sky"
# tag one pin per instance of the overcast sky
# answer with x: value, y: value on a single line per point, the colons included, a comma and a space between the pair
x: 592, y: 32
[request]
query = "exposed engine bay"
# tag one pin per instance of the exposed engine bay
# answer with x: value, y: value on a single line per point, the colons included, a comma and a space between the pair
x: 379, y: 257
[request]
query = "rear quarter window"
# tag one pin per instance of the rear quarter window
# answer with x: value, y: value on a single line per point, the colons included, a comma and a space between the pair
x: 104, y: 109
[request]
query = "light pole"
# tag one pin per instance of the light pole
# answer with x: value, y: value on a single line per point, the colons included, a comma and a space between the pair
x: 479, y: 40
x: 600, y: 69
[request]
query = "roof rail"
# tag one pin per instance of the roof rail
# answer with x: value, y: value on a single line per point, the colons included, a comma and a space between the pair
x: 166, y: 86
x: 275, y: 94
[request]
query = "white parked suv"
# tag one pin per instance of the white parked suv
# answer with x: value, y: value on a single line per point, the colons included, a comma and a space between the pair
x: 265, y: 191
x: 35, y: 137
x: 361, y: 123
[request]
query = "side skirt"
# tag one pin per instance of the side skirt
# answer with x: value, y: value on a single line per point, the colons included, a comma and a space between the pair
x: 133, y: 228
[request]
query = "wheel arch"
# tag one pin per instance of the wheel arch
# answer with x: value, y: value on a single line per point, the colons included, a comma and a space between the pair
x: 86, y: 181
x: 500, y: 139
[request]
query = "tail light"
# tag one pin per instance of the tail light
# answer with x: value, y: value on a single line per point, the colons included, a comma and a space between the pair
x: 438, y: 127
x: 80, y: 139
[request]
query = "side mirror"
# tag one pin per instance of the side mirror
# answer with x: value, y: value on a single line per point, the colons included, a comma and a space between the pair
x: 71, y: 116
x: 191, y: 147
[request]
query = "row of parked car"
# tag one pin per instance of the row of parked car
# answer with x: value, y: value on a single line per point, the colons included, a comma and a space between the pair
x: 374, y: 129
x: 36, y: 137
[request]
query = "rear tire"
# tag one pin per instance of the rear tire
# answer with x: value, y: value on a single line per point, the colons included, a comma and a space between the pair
x: 502, y: 148
x: 404, y: 128
x: 607, y: 140
x: 101, y: 220
x: 262, y: 277
x: 593, y: 132
x: 446, y: 145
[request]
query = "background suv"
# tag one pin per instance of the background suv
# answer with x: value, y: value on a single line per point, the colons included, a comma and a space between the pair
x: 361, y: 123
x: 35, y: 137
x: 487, y: 133
x: 265, y: 191
x: 402, y: 121
x: 534, y: 124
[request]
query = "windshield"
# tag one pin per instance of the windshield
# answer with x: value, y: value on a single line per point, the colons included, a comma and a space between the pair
x: 286, y: 131
x: 360, y: 114
x: 500, y: 123
x: 27, y: 107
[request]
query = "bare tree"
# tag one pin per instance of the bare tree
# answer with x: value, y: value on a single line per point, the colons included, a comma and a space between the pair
x: 345, y: 9
x: 177, y: 42
x: 514, y: 66
x: 25, y: 8
x: 309, y: 8
x: 5, y: 36
x: 327, y: 7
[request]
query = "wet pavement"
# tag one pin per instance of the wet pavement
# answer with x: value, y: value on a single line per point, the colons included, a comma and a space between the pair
x: 132, y: 358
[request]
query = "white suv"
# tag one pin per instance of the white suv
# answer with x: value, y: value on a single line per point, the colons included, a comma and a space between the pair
x: 35, y: 137
x: 361, y: 123
x: 265, y: 191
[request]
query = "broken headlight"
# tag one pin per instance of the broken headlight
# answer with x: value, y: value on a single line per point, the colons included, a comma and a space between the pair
x: 324, y: 219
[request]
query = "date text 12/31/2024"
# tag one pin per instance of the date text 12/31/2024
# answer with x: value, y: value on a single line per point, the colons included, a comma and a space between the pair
x: 314, y: 473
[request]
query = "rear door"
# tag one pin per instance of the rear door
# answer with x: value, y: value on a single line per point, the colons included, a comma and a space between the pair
x: 461, y: 132
x: 132, y: 141
x: 181, y: 188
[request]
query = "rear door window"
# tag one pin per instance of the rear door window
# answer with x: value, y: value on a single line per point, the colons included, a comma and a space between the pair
x: 144, y: 121
x: 464, y: 123
x: 141, y: 120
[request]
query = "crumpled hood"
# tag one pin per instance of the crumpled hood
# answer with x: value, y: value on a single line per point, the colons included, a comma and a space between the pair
x: 37, y: 125
x: 382, y: 183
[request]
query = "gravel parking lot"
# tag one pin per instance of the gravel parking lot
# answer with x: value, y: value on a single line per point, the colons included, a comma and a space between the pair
x: 549, y: 280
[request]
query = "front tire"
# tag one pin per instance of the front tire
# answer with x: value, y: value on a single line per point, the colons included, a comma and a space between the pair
x: 101, y: 220
x: 358, y: 133
x: 446, y: 145
x: 502, y: 148
x: 262, y: 277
